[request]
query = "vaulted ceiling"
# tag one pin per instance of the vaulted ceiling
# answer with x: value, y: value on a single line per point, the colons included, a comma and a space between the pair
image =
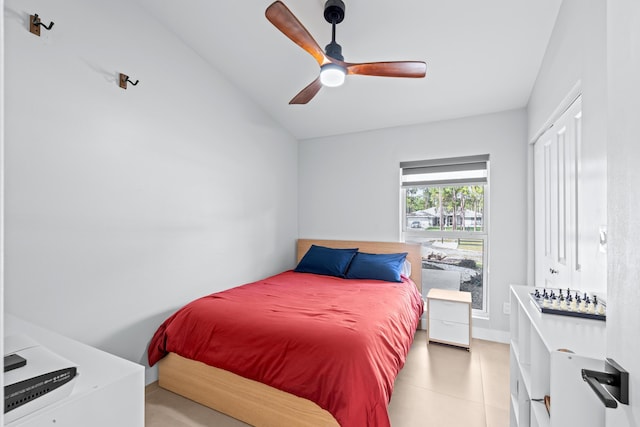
x: 482, y: 57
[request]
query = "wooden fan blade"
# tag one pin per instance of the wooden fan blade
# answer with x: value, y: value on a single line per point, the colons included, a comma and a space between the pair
x: 307, y: 93
x: 414, y: 69
x: 282, y: 18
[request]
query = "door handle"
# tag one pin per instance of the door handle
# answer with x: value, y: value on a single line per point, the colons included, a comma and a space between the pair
x: 615, y: 380
x: 552, y: 271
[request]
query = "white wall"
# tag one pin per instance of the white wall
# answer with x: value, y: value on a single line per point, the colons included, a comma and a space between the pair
x: 623, y: 316
x: 349, y: 188
x: 2, y: 199
x: 575, y: 62
x: 122, y: 205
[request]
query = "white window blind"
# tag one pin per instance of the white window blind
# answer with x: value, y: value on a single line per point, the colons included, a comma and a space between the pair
x: 468, y: 170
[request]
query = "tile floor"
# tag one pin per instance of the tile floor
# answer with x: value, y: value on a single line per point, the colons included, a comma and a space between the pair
x: 439, y: 386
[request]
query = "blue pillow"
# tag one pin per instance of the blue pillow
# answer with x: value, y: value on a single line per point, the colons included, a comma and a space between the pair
x: 327, y: 261
x: 387, y: 267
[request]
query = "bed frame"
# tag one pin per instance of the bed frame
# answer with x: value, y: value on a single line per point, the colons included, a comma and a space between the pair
x: 250, y: 401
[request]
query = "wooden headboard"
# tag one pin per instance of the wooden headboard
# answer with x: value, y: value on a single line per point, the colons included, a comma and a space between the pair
x: 413, y: 249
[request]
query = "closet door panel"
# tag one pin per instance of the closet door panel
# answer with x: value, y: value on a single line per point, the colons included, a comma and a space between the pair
x: 556, y: 190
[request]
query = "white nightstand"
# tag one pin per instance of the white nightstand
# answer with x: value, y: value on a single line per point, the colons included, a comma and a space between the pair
x: 449, y: 317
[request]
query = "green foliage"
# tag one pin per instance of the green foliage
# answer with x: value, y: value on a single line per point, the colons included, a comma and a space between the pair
x: 416, y: 199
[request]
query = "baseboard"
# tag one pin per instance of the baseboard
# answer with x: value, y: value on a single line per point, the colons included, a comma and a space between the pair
x: 490, y: 335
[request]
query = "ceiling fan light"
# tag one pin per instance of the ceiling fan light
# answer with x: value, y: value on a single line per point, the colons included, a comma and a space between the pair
x: 332, y: 75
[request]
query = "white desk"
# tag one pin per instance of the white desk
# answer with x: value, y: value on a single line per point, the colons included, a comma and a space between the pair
x: 109, y: 390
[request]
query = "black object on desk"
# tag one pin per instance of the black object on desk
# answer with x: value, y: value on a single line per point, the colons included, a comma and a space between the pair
x: 13, y: 361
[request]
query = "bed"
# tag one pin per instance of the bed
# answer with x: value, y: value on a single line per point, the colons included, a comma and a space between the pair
x: 313, y: 373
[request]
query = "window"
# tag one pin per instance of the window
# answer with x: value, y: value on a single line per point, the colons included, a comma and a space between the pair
x: 444, y: 206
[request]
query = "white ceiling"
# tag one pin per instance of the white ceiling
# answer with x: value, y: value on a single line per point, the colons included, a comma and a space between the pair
x: 482, y: 57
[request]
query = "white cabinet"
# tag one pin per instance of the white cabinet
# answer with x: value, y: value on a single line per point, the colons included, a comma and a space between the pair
x: 547, y: 354
x: 109, y: 391
x: 449, y: 317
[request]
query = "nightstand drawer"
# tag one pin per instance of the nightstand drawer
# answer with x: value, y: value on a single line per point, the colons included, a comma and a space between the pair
x: 451, y: 311
x: 449, y: 332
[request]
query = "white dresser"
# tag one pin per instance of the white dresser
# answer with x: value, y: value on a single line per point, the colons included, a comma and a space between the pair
x: 449, y: 317
x: 108, y: 390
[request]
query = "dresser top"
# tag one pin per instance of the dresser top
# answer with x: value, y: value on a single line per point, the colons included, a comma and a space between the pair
x: 450, y: 295
x: 586, y: 337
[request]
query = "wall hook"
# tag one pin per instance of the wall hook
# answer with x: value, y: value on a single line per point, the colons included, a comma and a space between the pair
x: 35, y: 24
x: 124, y: 79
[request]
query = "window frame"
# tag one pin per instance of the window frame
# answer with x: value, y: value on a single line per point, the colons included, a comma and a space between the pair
x: 409, y: 234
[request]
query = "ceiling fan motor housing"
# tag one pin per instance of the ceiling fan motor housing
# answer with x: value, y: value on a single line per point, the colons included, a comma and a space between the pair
x: 334, y: 11
x: 334, y: 50
x: 334, y: 14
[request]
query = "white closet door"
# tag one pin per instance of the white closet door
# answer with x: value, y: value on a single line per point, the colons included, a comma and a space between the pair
x: 556, y: 187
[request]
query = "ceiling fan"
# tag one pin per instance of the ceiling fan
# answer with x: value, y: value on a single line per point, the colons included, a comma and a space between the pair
x: 333, y: 69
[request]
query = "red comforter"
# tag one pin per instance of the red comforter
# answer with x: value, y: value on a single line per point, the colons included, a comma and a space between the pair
x: 339, y: 343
